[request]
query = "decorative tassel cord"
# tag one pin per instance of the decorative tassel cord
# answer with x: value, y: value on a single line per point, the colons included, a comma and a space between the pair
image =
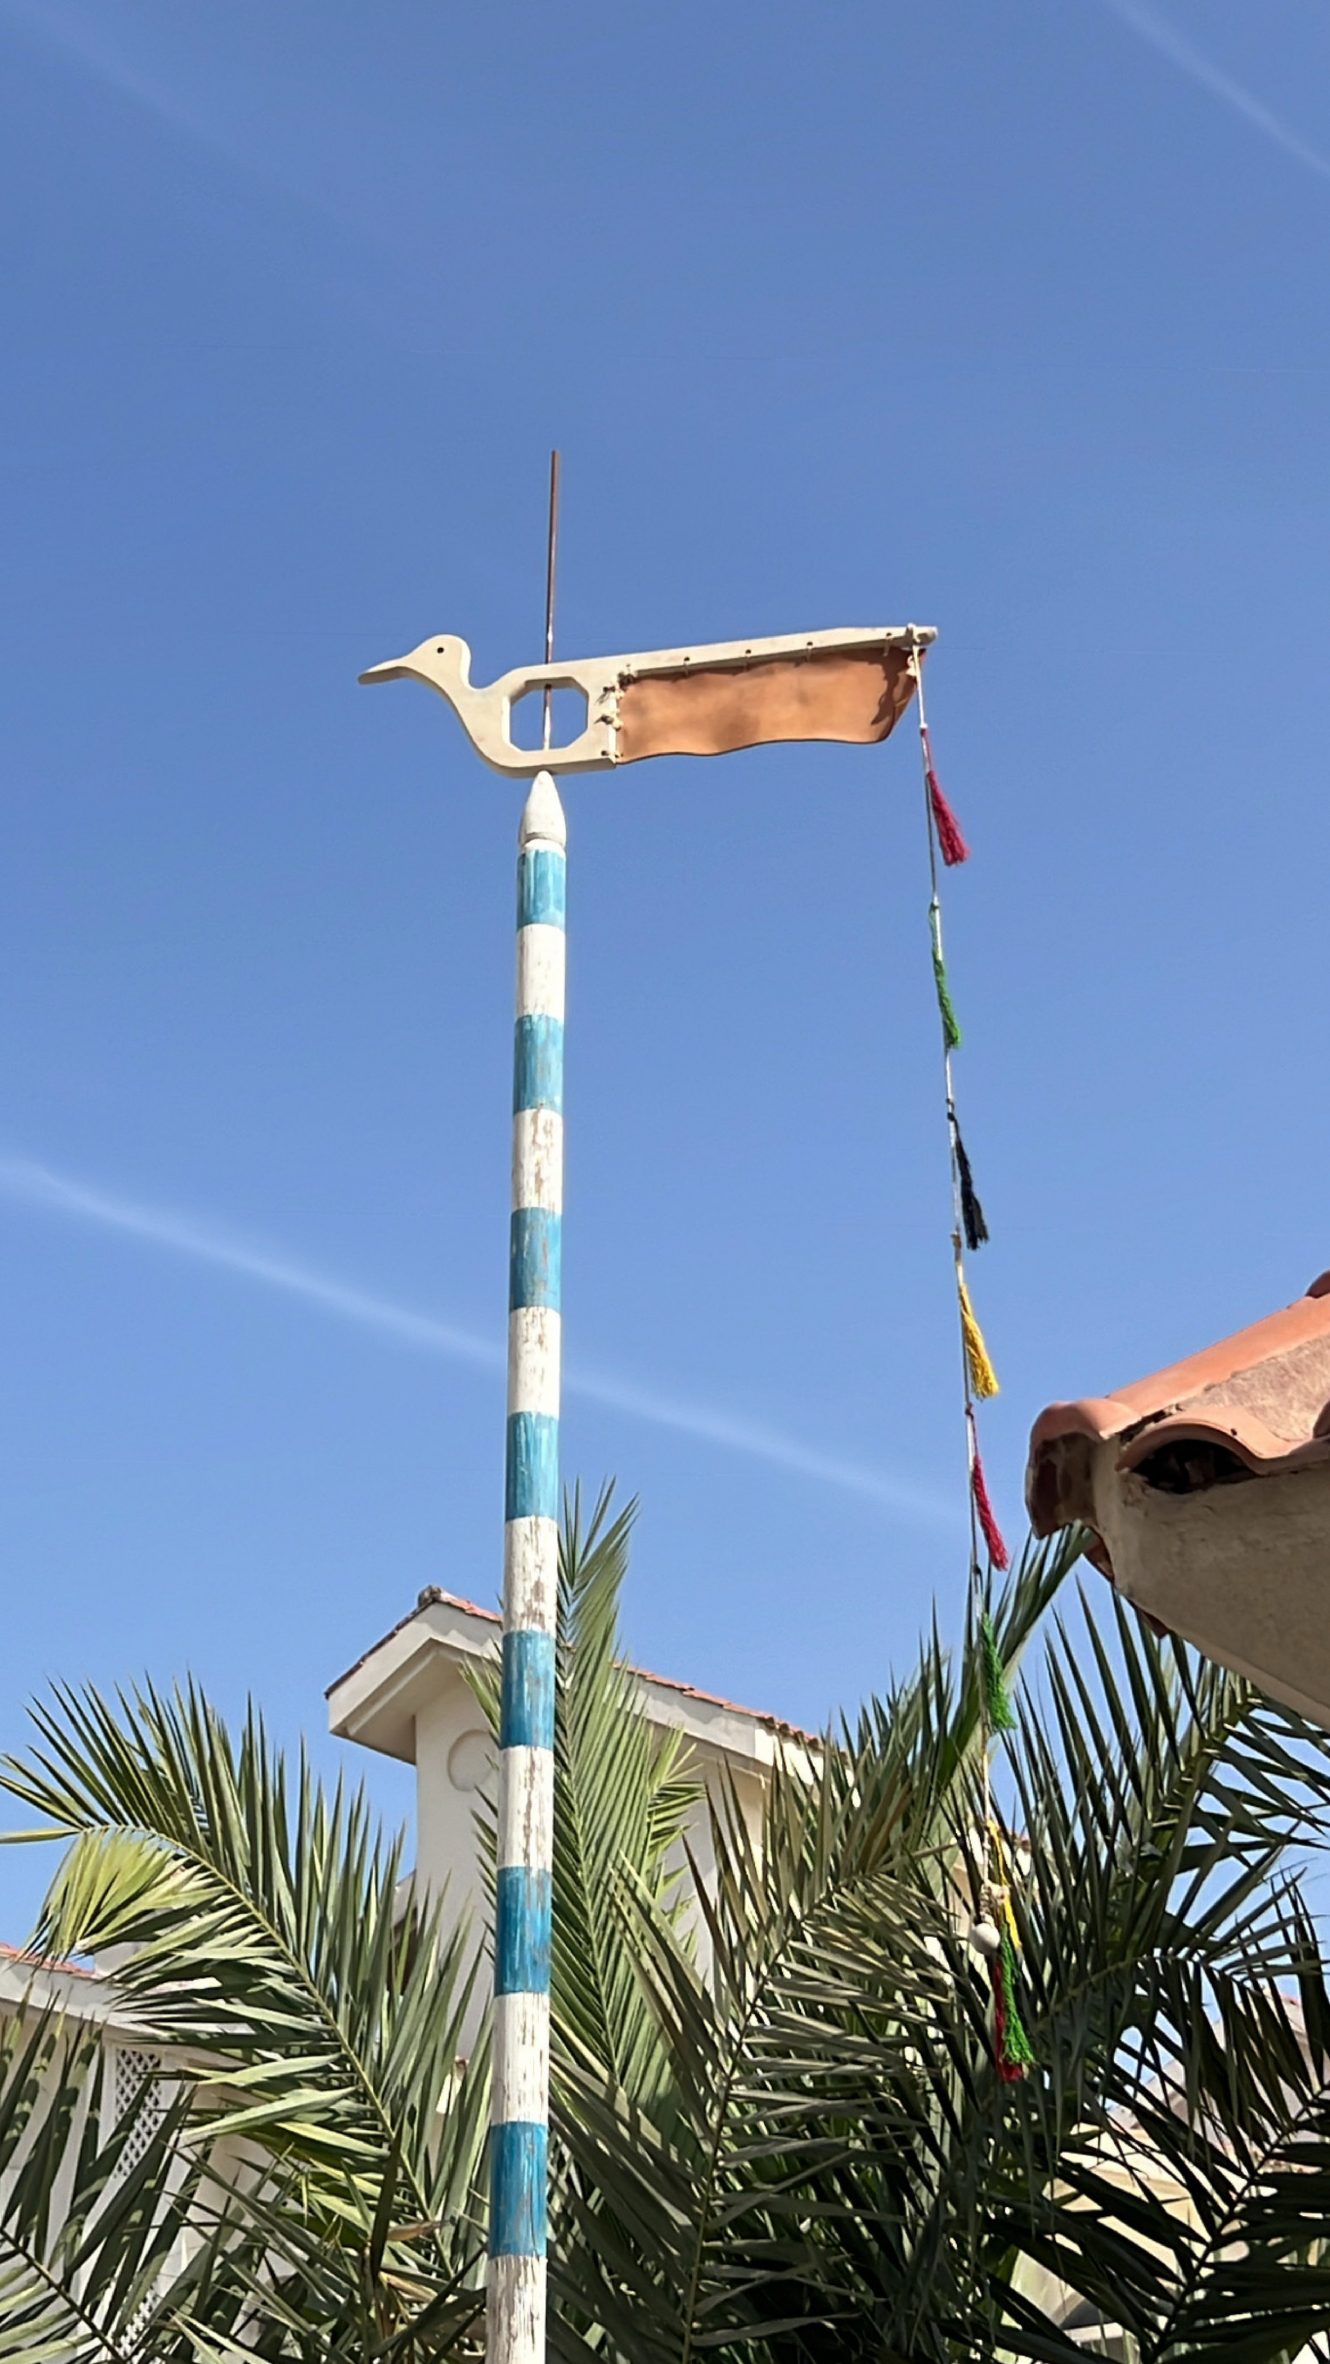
x: 951, y: 844
x: 988, y: 1526
x: 1013, y: 2052
x: 982, y: 1376
x: 951, y: 1030
x: 972, y: 1214
x: 1017, y: 2054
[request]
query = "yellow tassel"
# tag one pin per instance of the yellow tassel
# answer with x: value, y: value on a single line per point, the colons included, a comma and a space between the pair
x: 1002, y: 1891
x: 983, y: 1377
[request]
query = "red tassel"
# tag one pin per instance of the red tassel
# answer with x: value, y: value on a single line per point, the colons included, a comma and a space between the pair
x: 951, y: 845
x: 997, y: 1549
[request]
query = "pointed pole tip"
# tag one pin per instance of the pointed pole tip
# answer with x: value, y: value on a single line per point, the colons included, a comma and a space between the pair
x: 542, y: 814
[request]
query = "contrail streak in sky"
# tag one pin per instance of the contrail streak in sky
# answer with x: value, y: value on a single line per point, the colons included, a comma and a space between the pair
x: 1199, y: 69
x: 34, y: 1185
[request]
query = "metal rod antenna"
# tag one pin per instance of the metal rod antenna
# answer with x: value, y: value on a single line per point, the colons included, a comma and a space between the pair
x: 551, y: 562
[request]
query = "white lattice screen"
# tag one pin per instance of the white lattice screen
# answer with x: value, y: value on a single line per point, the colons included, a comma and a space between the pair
x: 132, y: 2079
x: 136, y: 2098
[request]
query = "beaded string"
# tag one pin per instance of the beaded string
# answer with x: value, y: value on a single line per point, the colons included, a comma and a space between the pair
x: 995, y: 1932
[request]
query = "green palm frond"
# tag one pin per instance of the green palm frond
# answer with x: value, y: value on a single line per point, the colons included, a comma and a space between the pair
x: 624, y: 1792
x: 112, y: 2249
x: 823, y: 1933
x: 841, y: 2175
x: 780, y: 2135
x: 266, y: 1941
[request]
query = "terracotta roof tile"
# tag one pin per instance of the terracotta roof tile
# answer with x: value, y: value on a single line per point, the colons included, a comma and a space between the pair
x: 67, y: 1969
x: 1262, y: 1395
x: 1205, y: 1491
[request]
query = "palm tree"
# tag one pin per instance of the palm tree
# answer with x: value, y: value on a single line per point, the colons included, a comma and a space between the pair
x: 839, y: 2172
x: 780, y: 2138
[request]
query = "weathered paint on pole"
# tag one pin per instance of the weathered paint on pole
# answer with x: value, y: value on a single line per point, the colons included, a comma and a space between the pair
x: 519, y: 2114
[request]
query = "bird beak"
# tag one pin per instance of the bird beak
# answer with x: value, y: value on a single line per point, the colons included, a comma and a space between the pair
x: 392, y: 669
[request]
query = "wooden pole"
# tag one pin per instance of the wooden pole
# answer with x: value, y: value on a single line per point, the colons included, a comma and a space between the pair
x: 519, y: 2115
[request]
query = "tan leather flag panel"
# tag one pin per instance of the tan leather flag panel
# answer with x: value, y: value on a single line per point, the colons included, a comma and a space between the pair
x: 854, y: 696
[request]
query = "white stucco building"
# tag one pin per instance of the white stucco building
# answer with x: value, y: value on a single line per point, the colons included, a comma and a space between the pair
x: 409, y: 1697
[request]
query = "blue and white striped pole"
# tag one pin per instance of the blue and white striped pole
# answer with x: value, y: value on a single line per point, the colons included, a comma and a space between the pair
x: 519, y: 2116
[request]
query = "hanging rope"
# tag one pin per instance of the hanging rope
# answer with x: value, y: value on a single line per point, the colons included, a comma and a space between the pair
x: 995, y: 1932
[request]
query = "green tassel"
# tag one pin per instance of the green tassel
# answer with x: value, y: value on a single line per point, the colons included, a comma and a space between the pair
x: 998, y: 1710
x: 1017, y: 2050
x: 951, y: 1032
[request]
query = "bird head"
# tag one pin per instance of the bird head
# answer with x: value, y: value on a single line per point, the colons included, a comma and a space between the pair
x: 441, y: 662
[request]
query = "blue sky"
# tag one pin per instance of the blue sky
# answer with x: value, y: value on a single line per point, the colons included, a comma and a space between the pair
x: 1008, y: 319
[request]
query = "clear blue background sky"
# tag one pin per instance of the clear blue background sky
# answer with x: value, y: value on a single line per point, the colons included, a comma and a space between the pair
x: 1010, y: 318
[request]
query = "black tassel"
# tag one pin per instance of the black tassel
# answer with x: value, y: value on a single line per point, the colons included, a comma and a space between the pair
x: 972, y: 1214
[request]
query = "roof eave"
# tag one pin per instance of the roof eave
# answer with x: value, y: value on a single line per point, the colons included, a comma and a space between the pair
x: 375, y: 1703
